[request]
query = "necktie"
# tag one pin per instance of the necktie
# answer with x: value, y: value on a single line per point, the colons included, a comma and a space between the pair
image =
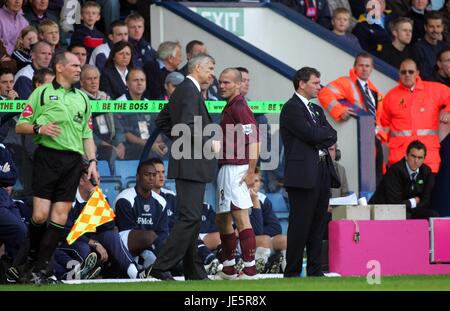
x: 369, y: 103
x: 413, y: 179
x: 313, y: 112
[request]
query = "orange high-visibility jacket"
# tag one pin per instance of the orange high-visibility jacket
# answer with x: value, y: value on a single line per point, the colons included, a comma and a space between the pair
x: 343, y: 93
x: 409, y: 115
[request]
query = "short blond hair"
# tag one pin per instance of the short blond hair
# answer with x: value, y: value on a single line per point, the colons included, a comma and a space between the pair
x: 393, y: 25
x: 338, y: 11
x: 134, y: 17
x: 91, y: 4
x: 46, y: 24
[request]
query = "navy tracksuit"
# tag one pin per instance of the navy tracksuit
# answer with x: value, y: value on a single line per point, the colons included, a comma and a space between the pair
x: 135, y: 212
x: 79, y: 250
x: 263, y: 220
x: 171, y: 206
x: 13, y: 214
x: 208, y: 224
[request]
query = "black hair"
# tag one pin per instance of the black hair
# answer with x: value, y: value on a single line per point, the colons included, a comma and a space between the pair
x: 117, y: 47
x: 416, y: 144
x: 39, y: 76
x: 156, y: 161
x: 148, y: 162
x: 304, y: 74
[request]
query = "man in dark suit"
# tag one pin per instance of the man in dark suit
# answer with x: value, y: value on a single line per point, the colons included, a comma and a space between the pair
x: 186, y: 114
x: 409, y: 182
x: 306, y: 135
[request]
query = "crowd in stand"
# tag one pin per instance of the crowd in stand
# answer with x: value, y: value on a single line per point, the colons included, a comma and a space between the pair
x: 119, y: 63
x: 391, y: 30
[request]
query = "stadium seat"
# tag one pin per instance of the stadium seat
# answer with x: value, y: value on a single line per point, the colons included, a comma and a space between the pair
x: 282, y: 215
x: 111, y: 187
x: 103, y: 168
x: 125, y: 169
x: 130, y: 182
x: 284, y: 226
x: 170, y: 184
x: 366, y: 194
x: 166, y: 166
x: 210, y: 195
x: 278, y: 202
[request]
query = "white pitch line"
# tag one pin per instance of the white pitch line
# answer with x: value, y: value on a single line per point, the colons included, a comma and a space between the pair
x: 177, y: 278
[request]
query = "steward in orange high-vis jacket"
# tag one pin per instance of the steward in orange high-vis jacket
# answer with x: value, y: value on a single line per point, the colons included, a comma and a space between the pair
x: 349, y: 96
x: 411, y: 112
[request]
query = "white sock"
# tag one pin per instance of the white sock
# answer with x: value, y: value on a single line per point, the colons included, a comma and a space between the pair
x: 147, y: 257
x: 132, y: 271
x: 229, y: 263
x: 262, y: 252
x: 283, y: 263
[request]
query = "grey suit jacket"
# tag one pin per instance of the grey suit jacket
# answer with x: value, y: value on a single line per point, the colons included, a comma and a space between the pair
x: 184, y: 105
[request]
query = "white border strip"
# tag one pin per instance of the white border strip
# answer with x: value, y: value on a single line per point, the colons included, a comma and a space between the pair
x: 177, y: 278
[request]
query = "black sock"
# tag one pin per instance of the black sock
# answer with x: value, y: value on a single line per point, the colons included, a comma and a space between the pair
x: 21, y: 256
x: 48, y: 244
x: 35, y: 234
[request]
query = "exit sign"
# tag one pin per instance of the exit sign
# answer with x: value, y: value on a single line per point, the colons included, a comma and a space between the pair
x: 231, y: 19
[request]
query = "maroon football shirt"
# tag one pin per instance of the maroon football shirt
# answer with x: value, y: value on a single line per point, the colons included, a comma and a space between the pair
x: 239, y: 130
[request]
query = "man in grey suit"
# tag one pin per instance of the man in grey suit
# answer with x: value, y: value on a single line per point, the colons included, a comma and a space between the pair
x: 189, y: 167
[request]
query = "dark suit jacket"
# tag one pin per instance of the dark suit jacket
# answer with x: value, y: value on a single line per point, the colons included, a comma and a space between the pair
x: 111, y: 83
x: 185, y: 104
x: 302, y: 140
x: 155, y: 79
x: 372, y: 37
x: 396, y: 186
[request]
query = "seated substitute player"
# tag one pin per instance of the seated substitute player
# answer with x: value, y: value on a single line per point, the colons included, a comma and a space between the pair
x: 167, y: 194
x: 14, y: 218
x: 236, y: 176
x: 13, y: 213
x: 209, y: 240
x: 270, y: 243
x: 141, y: 216
x: 106, y: 242
x: 13, y: 231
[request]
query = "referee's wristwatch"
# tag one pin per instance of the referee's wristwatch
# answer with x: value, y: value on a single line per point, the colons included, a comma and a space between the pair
x: 37, y: 129
x: 93, y: 160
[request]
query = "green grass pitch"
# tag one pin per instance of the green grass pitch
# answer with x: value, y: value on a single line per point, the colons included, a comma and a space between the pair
x: 391, y: 283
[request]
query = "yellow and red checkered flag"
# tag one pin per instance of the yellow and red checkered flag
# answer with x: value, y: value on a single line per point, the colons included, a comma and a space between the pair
x: 96, y: 212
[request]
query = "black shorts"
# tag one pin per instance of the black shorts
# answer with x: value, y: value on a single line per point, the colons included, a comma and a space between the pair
x: 56, y: 174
